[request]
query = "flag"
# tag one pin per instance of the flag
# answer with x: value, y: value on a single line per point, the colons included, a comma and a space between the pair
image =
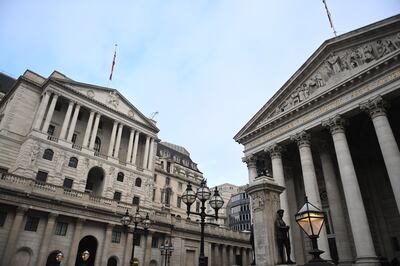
x: 113, y: 62
x: 329, y: 17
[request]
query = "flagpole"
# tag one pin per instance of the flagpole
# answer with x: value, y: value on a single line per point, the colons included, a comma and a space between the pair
x: 112, y: 65
x: 329, y: 17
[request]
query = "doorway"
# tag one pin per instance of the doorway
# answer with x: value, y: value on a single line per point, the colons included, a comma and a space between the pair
x: 88, y: 243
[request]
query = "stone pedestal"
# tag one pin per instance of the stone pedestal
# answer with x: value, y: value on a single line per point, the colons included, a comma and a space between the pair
x: 264, y: 193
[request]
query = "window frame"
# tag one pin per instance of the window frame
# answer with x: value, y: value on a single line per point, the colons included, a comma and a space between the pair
x: 48, y: 154
x: 61, y: 229
x: 73, y: 162
x: 32, y: 223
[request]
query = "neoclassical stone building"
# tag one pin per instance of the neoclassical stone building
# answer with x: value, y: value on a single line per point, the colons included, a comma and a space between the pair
x: 73, y: 158
x: 332, y: 133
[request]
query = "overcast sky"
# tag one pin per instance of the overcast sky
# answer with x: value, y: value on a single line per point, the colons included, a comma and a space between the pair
x: 206, y: 66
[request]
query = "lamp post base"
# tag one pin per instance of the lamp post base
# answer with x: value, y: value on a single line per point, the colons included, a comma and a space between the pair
x: 317, y: 260
x: 203, y: 261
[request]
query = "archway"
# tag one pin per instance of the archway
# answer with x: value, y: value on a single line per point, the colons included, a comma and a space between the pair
x: 51, y: 259
x: 88, y: 243
x: 112, y: 261
x: 22, y: 257
x: 153, y: 263
x: 95, y: 181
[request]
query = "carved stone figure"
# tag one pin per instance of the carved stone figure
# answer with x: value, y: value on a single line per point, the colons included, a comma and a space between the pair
x: 397, y: 40
x: 390, y: 45
x: 368, y: 53
x: 355, y: 58
x: 282, y: 237
x: 111, y: 171
x: 34, y: 153
x: 381, y: 48
x: 60, y: 162
x: 319, y: 80
x: 334, y: 62
x: 113, y: 99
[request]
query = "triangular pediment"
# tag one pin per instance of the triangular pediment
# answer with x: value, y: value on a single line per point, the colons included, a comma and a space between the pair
x: 335, y: 61
x: 108, y: 97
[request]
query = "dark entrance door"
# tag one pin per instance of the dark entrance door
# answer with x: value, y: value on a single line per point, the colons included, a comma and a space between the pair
x: 88, y: 243
x: 51, y: 259
x: 112, y: 262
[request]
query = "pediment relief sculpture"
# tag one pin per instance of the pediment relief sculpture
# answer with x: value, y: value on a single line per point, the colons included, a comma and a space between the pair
x: 335, y: 67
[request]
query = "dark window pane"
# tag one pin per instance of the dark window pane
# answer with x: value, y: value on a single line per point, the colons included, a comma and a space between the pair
x: 138, y: 182
x: 116, y: 236
x: 74, y: 136
x: 117, y: 195
x: 154, y: 242
x: 50, y: 130
x: 120, y: 177
x: 41, y: 176
x: 48, y: 154
x: 68, y: 183
x: 73, y: 162
x: 61, y: 229
x: 136, y: 200
x: 31, y: 223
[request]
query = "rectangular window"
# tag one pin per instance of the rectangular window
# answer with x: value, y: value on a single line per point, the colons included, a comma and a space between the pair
x: 50, y: 130
x: 169, y: 167
x: 136, y: 240
x: 31, y: 223
x: 41, y: 176
x: 155, y: 177
x: 135, y: 200
x: 154, y: 195
x: 178, y: 202
x: 197, y: 206
x: 154, y: 242
x: 116, y: 236
x: 117, y: 196
x: 3, y: 216
x: 61, y: 229
x: 167, y: 180
x: 68, y: 183
x: 74, y: 136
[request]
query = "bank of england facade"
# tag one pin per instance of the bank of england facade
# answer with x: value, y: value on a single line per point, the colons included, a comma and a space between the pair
x: 332, y: 133
x: 73, y: 158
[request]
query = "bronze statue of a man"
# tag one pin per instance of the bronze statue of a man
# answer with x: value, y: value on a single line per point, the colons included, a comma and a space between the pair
x: 282, y: 236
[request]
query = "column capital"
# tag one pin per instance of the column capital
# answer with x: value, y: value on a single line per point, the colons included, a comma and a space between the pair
x: 250, y: 160
x: 335, y: 124
x: 302, y: 138
x: 275, y: 150
x: 375, y: 107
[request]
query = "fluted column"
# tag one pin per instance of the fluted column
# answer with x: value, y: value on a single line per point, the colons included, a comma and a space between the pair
x: 106, y: 244
x: 130, y: 143
x: 224, y: 256
x: 41, y: 110
x: 147, y: 249
x: 146, y: 152
x: 13, y: 236
x: 303, y: 141
x: 50, y: 113
x: 387, y: 142
x: 135, y: 147
x: 88, y: 129
x: 336, y: 207
x: 66, y: 120
x: 151, y: 154
x: 73, y: 122
x: 251, y: 166
x: 44, y: 245
x: 94, y: 132
x: 275, y: 152
x: 112, y: 139
x: 75, y: 242
x: 118, y: 142
x: 358, y: 218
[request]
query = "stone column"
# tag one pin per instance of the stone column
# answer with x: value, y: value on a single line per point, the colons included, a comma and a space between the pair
x: 135, y: 147
x: 251, y: 166
x: 88, y: 129
x: 231, y: 256
x: 73, y: 122
x: 41, y: 110
x: 48, y: 232
x: 94, y: 132
x: 146, y: 152
x: 264, y: 193
x: 303, y: 141
x: 358, y: 218
x: 244, y: 256
x: 129, y: 154
x: 118, y: 142
x: 112, y: 139
x: 128, y: 249
x: 387, y: 142
x: 275, y: 151
x: 147, y: 248
x: 66, y: 120
x: 75, y: 242
x: 151, y: 154
x: 50, y: 113
x: 106, y: 244
x: 343, y: 241
x: 224, y: 257
x: 13, y: 236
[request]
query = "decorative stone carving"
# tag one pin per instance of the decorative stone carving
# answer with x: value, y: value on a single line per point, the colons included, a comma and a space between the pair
x: 113, y: 99
x: 131, y: 114
x: 375, y: 107
x: 275, y: 151
x: 90, y: 93
x: 250, y: 160
x: 301, y: 138
x: 60, y: 162
x: 335, y: 124
x: 35, y: 149
x: 258, y: 201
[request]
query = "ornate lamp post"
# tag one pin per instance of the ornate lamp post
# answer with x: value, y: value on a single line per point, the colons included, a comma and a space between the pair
x: 166, y: 251
x: 136, y: 219
x: 203, y: 194
x: 311, y: 219
x: 59, y: 257
x: 85, y: 257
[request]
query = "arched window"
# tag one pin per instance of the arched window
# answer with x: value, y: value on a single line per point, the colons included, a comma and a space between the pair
x: 48, y: 154
x: 138, y: 182
x: 73, y: 162
x: 112, y: 262
x: 120, y: 177
x: 97, y: 144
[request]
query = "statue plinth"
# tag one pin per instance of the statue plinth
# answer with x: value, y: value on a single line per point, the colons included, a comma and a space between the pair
x: 265, y: 202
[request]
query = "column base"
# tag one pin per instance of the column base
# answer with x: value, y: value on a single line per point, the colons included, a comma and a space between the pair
x: 367, y: 261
